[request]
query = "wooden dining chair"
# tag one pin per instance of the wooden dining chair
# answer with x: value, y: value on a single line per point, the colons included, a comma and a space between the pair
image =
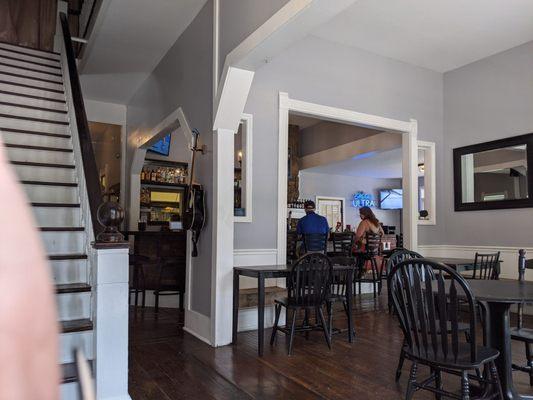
x: 486, y: 266
x: 315, y: 242
x: 519, y: 333
x: 308, y: 287
x: 343, y: 243
x: 427, y: 306
x: 292, y: 247
x: 374, y: 274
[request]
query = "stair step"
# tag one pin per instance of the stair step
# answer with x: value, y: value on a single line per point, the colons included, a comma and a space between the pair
x: 26, y: 124
x: 31, y: 75
x: 34, y: 119
x: 40, y: 65
x: 29, y: 69
x: 30, y: 90
x: 45, y: 174
x: 47, y: 165
x: 44, y: 148
x: 73, y: 288
x: 24, y: 50
x: 57, y: 257
x: 76, y: 325
x: 61, y: 229
x: 69, y: 271
x: 52, y: 194
x: 45, y: 155
x: 25, y: 81
x: 43, y: 183
x: 64, y: 242
x: 29, y: 58
x: 69, y: 371
x: 72, y: 306
x: 31, y: 107
x: 24, y: 98
x: 60, y: 205
x: 29, y: 132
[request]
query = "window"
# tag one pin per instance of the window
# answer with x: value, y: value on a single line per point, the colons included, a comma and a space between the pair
x: 426, y: 183
x: 243, y: 170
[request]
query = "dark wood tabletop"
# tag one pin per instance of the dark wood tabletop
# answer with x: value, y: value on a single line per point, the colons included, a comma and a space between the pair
x: 501, y: 291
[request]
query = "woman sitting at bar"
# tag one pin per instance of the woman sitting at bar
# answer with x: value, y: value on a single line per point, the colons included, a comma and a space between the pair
x: 369, y: 224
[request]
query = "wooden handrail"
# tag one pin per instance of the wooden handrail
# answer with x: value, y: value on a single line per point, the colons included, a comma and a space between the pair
x: 94, y: 190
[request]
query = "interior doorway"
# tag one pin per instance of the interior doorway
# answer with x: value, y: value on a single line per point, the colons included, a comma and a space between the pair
x: 403, y: 132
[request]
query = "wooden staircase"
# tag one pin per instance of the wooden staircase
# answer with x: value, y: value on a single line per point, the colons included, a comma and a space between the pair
x: 35, y: 129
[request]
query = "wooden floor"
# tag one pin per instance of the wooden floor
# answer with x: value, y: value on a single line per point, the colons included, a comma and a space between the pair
x: 167, y: 363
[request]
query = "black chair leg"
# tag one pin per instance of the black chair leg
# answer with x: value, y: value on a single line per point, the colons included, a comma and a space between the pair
x: 306, y: 323
x: 438, y: 384
x: 465, y: 386
x: 136, y: 297
x: 496, y: 378
x: 529, y: 362
x: 400, y: 362
x: 291, y: 334
x: 156, y: 294
x: 324, y: 326
x: 143, y: 303
x: 330, y: 318
x: 276, y: 322
x: 182, y: 301
x: 412, y: 381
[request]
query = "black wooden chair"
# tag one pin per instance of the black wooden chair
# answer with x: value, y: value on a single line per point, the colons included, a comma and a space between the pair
x: 486, y: 266
x: 519, y: 333
x: 339, y: 282
x: 342, y: 244
x: 374, y: 275
x: 427, y: 306
x: 308, y: 288
x: 315, y: 243
x: 292, y: 247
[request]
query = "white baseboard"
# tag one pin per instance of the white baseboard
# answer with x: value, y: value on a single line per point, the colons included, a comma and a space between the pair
x: 248, y: 318
x: 171, y: 301
x: 198, y: 325
x: 508, y: 255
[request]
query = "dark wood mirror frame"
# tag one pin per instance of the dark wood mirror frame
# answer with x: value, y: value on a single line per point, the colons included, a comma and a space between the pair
x: 496, y: 144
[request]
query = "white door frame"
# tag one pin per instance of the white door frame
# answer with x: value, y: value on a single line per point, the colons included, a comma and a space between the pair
x: 408, y: 129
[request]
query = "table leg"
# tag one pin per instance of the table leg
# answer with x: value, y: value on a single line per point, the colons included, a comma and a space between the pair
x: 260, y: 313
x: 235, y: 325
x: 349, y: 301
x: 499, y: 338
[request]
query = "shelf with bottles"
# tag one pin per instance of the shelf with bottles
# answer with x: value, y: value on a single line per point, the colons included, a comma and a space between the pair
x: 297, y: 204
x: 157, y: 215
x: 164, y: 173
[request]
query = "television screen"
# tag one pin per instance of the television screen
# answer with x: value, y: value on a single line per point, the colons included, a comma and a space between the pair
x: 162, y: 146
x: 390, y: 199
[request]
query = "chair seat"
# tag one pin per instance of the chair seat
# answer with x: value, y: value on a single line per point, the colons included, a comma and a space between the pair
x: 463, y: 361
x: 524, y: 334
x: 303, y: 303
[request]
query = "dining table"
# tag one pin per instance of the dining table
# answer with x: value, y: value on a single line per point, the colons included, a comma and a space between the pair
x: 459, y: 264
x: 497, y: 297
x: 263, y: 272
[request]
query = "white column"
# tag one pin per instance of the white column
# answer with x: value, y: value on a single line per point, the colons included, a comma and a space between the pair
x: 222, y: 277
x: 110, y: 280
x: 410, y: 187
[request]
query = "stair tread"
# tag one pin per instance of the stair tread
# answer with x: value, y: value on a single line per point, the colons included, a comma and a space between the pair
x: 69, y: 372
x: 33, y: 119
x: 72, y: 256
x: 28, y: 61
x: 46, y: 183
x: 44, y: 204
x: 32, y: 86
x: 29, y: 69
x: 36, y: 164
x: 31, y: 96
x: 33, y: 78
x: 31, y: 52
x: 61, y: 229
x: 73, y: 288
x: 30, y: 132
x: 46, y: 148
x: 76, y: 325
x: 52, y: 110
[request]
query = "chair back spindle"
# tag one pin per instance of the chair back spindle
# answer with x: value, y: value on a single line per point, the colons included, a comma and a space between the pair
x: 426, y: 296
x: 343, y: 243
x: 373, y: 244
x: 486, y: 266
x: 315, y: 242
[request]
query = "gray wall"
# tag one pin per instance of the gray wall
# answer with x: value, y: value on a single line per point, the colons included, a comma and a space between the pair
x: 184, y: 78
x: 487, y: 100
x: 327, y: 73
x: 326, y: 135
x: 313, y: 184
x: 239, y: 18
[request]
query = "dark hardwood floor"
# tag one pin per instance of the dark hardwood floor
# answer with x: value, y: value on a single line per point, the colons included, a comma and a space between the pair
x: 167, y: 363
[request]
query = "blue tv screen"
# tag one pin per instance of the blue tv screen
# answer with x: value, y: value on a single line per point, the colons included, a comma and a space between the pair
x: 391, y: 199
x: 162, y: 146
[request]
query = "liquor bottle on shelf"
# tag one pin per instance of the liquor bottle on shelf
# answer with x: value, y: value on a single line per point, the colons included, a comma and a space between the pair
x: 142, y: 175
x: 153, y: 175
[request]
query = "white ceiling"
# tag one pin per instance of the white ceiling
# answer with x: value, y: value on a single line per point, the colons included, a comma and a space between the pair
x: 441, y: 35
x: 129, y: 40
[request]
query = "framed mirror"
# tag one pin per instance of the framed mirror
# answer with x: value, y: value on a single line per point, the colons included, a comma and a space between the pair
x: 494, y: 175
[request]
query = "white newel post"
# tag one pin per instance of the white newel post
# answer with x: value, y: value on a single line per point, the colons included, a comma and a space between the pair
x: 111, y: 272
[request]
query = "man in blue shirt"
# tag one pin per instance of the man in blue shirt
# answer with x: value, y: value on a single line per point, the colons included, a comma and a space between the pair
x: 312, y: 222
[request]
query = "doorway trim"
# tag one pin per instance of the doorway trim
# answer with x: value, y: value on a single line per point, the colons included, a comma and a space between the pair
x: 408, y: 129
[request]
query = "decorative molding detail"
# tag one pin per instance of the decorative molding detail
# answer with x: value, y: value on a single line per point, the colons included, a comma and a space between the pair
x: 508, y: 255
x: 244, y: 257
x: 198, y: 325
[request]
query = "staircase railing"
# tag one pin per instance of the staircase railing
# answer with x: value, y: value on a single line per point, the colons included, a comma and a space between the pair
x: 90, y: 170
